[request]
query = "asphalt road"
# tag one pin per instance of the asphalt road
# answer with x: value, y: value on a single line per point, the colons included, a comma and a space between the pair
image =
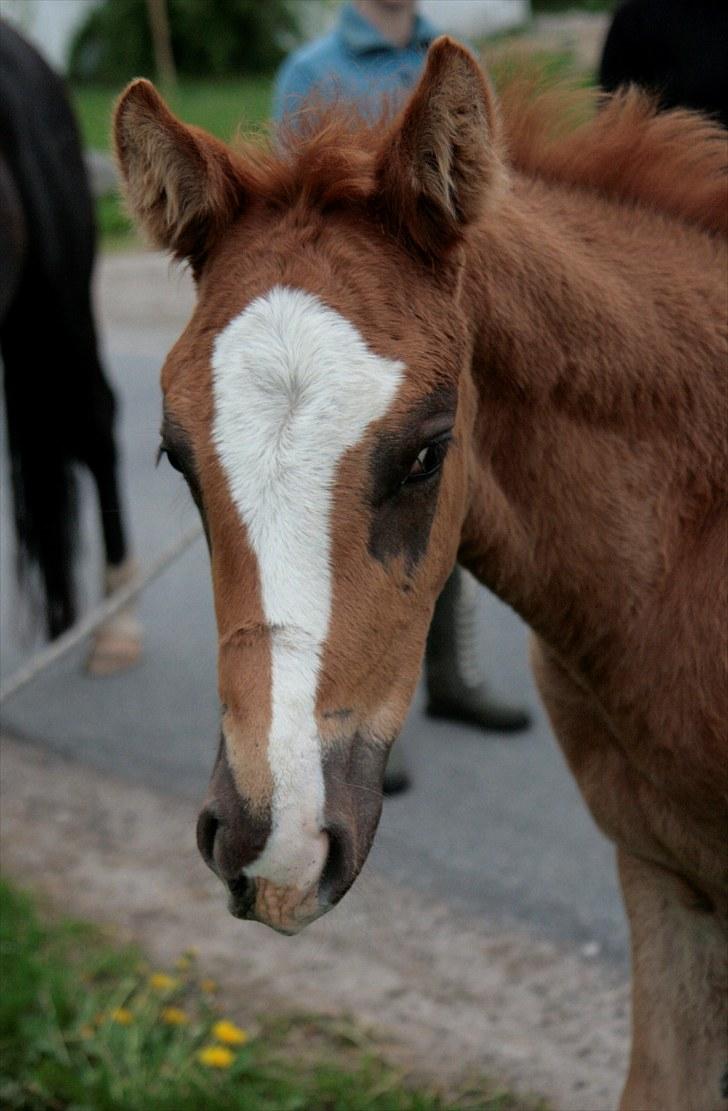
x: 494, y: 824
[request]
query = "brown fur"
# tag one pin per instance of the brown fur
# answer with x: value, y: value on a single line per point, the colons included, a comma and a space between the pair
x: 674, y: 162
x: 182, y: 183
x: 572, y: 286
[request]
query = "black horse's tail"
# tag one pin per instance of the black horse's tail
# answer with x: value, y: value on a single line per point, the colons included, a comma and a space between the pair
x: 43, y: 485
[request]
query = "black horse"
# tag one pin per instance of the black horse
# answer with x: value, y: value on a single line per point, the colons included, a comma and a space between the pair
x: 59, y: 404
x: 676, y: 48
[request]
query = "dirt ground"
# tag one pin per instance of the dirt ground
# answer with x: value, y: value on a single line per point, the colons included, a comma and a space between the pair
x: 451, y: 998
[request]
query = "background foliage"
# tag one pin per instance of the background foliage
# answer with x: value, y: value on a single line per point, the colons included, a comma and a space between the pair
x: 210, y: 38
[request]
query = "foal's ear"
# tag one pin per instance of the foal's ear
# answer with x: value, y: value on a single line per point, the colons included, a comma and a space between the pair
x: 441, y: 162
x: 181, y: 184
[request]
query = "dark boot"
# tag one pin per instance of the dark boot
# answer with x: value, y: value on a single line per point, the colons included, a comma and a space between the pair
x: 456, y: 688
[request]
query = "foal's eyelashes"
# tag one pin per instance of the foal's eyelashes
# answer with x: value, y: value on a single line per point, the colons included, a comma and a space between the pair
x: 163, y: 450
x: 175, y: 444
x: 429, y: 460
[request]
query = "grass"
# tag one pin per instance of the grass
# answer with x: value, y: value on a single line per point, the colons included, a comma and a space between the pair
x: 86, y: 1026
x: 221, y: 107
x: 506, y: 59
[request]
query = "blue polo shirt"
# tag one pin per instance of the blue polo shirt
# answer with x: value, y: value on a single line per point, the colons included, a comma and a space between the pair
x: 354, y: 62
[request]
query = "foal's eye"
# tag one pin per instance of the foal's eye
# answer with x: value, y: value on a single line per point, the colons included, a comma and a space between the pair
x: 429, y: 461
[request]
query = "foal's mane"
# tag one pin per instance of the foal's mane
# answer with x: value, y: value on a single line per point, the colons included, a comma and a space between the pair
x: 620, y: 146
x: 674, y: 162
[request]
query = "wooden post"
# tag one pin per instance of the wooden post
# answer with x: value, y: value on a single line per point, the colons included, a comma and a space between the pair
x: 162, y: 43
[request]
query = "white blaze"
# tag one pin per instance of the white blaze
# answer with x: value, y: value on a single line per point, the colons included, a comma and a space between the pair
x: 295, y: 386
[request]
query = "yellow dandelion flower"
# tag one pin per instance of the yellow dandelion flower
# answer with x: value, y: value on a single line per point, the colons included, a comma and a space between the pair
x: 208, y: 986
x: 216, y: 1057
x: 228, y: 1033
x: 174, y: 1016
x: 161, y: 981
x: 183, y: 963
x: 122, y: 1015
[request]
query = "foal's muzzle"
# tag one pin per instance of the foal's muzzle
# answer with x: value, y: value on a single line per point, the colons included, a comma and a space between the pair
x: 286, y: 908
x: 233, y: 839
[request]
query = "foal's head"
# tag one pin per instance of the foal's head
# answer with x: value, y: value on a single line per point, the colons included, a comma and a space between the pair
x: 317, y: 407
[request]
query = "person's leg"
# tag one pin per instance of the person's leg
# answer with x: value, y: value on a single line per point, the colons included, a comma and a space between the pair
x: 456, y: 687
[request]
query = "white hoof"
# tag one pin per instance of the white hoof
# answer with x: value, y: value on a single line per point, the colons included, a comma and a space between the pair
x: 116, y: 646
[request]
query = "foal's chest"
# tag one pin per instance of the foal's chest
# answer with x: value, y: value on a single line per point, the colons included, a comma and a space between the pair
x: 664, y: 816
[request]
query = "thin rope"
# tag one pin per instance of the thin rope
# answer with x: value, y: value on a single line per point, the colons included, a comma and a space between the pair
x: 96, y: 616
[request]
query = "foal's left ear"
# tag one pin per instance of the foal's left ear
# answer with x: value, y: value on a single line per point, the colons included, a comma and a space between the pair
x: 181, y: 184
x: 441, y: 163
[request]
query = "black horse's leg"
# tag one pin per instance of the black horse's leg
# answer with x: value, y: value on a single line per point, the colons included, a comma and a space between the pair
x: 117, y: 643
x: 103, y: 465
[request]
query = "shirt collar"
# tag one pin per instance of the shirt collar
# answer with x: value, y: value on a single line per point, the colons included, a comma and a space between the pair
x: 361, y: 37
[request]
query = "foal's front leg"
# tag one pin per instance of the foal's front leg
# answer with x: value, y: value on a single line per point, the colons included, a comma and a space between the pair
x: 679, y: 992
x: 679, y: 940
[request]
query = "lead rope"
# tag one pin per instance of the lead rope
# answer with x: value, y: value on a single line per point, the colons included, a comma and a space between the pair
x: 96, y: 616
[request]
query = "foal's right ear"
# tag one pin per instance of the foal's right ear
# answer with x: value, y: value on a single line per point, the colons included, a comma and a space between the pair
x: 181, y: 183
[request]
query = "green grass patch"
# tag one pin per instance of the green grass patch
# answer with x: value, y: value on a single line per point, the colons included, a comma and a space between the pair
x: 115, y: 229
x: 221, y: 107
x: 86, y: 1026
x: 506, y: 61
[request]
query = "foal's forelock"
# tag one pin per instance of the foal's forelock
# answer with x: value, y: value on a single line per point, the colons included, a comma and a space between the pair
x: 295, y: 387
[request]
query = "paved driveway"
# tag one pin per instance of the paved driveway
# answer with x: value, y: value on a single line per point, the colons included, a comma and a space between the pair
x: 494, y: 825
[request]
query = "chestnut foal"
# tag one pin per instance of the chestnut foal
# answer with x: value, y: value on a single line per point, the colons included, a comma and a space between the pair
x: 456, y: 338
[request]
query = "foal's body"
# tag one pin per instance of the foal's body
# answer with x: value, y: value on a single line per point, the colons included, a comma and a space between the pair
x: 604, y: 524
x: 603, y: 516
x: 517, y: 351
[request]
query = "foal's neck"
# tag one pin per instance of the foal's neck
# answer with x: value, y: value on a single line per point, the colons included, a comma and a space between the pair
x: 597, y: 367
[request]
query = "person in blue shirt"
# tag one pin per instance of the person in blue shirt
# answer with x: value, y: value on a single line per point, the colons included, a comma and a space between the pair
x: 375, y: 51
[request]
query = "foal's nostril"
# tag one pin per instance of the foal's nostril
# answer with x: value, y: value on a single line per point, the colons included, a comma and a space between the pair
x: 207, y: 827
x: 242, y: 896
